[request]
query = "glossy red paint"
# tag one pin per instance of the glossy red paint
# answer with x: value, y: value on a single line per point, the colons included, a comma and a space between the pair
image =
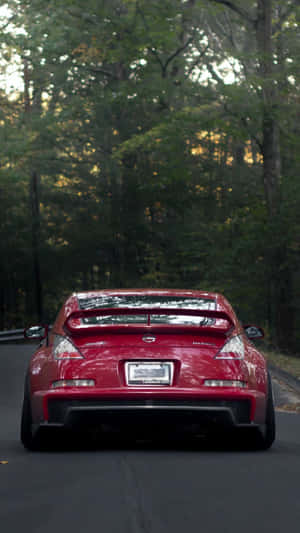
x: 106, y: 348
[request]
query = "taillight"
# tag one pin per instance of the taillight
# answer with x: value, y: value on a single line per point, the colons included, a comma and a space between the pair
x: 233, y: 349
x: 234, y: 383
x: 62, y: 383
x: 64, y: 349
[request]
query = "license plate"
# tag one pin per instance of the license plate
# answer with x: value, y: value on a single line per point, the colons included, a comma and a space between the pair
x: 148, y: 373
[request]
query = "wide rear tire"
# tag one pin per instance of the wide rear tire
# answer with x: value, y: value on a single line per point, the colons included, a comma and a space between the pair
x: 267, y: 435
x: 28, y: 439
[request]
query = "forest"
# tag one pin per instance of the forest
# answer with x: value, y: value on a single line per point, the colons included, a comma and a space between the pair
x: 151, y: 143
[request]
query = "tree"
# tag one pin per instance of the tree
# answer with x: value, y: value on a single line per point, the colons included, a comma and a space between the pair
x: 267, y: 19
x: 152, y: 167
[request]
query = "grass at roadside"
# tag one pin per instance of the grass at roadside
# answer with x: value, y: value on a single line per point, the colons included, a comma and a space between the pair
x: 285, y: 362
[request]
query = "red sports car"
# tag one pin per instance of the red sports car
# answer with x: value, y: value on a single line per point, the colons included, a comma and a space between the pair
x: 145, y: 361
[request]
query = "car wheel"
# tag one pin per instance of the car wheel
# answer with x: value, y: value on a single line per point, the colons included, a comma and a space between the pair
x: 260, y: 438
x: 267, y: 435
x: 29, y: 441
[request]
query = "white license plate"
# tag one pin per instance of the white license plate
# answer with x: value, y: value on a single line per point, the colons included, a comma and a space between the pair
x: 148, y: 373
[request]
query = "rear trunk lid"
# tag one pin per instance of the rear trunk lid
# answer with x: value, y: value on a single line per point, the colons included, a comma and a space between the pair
x: 111, y: 340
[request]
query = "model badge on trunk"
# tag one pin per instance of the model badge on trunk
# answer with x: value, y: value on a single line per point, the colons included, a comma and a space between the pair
x: 149, y: 339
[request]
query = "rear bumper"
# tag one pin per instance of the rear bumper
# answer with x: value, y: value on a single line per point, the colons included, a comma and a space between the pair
x: 137, y: 408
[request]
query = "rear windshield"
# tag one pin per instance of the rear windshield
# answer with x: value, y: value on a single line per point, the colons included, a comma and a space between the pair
x: 144, y: 302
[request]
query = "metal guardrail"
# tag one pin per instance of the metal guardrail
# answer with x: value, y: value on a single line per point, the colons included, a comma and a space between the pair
x: 12, y: 335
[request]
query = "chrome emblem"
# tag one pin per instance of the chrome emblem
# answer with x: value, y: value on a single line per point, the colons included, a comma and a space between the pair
x: 149, y: 339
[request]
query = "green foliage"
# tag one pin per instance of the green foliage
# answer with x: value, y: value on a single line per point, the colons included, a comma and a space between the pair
x: 149, y: 164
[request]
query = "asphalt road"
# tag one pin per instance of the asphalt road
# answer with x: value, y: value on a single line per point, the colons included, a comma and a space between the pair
x: 142, y: 488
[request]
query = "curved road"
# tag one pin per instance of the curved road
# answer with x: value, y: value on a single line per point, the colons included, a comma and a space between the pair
x: 143, y: 489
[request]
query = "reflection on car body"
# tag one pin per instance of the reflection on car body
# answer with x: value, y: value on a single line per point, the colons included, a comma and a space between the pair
x: 147, y: 361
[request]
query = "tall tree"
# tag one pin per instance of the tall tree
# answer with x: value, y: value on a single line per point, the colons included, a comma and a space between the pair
x: 153, y: 166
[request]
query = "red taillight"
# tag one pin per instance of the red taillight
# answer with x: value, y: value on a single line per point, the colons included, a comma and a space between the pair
x: 64, y: 349
x: 233, y: 349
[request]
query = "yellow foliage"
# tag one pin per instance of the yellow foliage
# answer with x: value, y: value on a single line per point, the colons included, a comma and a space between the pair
x: 80, y: 49
x: 88, y: 149
x: 148, y: 214
x: 95, y: 169
x: 210, y: 145
x: 63, y: 182
x: 88, y: 52
x: 249, y: 156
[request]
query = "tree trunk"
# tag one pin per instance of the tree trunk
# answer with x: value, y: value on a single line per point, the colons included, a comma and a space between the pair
x: 35, y: 206
x: 270, y: 128
x: 35, y: 210
x: 270, y: 152
x: 271, y: 160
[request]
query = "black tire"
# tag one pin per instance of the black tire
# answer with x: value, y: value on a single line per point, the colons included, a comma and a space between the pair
x: 28, y: 439
x: 261, y: 438
x: 267, y: 436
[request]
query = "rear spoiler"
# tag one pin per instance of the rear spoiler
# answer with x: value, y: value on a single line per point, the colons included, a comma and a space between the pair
x: 75, y: 326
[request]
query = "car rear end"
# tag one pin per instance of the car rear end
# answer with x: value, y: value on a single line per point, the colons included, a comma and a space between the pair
x: 145, y: 370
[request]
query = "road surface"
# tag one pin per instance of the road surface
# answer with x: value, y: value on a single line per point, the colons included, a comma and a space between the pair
x: 142, y: 488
